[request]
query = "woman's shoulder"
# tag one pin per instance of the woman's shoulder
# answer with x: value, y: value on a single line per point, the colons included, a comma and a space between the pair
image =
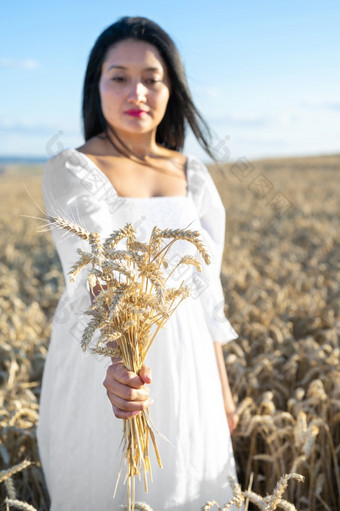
x: 65, y: 168
x: 67, y: 159
x: 59, y: 158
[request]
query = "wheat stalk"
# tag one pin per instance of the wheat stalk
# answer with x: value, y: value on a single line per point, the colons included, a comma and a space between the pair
x: 60, y: 223
x: 18, y: 504
x: 269, y: 503
x: 6, y: 478
x: 6, y: 474
x: 134, y: 299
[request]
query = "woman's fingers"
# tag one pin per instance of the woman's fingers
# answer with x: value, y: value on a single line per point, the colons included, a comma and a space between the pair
x: 118, y: 372
x: 129, y: 406
x: 126, y: 390
x: 129, y: 393
x: 145, y: 374
x: 120, y: 414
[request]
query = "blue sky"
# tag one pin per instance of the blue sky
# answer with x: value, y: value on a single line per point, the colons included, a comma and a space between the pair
x: 265, y: 75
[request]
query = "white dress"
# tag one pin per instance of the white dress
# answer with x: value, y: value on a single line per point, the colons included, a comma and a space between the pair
x: 79, y: 437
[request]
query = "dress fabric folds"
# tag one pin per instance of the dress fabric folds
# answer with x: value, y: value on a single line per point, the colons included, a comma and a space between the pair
x: 79, y: 437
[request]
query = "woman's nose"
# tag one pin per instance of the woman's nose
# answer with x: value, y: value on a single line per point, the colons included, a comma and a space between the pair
x: 137, y: 91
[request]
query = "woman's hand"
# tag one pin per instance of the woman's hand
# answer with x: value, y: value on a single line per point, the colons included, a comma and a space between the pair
x: 232, y: 418
x: 126, y: 390
x: 229, y: 405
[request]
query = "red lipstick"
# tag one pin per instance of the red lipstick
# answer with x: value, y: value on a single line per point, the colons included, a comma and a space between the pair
x: 135, y: 113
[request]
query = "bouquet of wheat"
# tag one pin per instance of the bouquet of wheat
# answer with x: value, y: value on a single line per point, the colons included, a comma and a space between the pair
x: 133, y: 304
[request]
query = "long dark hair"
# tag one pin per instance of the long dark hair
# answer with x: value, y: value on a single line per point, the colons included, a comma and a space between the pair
x: 180, y: 109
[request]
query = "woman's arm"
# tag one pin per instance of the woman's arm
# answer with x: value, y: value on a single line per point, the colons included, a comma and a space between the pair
x: 229, y: 405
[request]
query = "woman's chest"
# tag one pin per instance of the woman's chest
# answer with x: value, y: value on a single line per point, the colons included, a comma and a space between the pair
x: 130, y: 179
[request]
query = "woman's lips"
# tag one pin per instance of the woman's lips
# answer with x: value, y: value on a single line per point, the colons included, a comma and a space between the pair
x: 135, y: 113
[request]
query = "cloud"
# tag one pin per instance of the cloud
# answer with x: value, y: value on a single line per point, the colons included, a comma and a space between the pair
x: 326, y: 103
x: 19, y: 64
x: 287, y: 118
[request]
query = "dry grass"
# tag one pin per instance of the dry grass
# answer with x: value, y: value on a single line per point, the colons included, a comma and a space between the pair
x: 268, y: 503
x: 282, y: 283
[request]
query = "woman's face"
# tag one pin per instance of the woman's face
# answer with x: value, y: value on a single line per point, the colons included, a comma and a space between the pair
x: 134, y: 87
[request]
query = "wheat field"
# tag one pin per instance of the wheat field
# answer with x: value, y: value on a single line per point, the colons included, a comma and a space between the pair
x: 281, y: 277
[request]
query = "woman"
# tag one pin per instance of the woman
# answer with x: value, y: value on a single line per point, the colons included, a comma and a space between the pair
x: 136, y: 104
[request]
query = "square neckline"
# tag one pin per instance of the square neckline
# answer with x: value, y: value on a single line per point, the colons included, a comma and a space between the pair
x: 156, y: 197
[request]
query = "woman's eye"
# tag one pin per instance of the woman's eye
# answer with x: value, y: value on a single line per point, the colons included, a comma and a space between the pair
x: 152, y: 81
x: 148, y: 81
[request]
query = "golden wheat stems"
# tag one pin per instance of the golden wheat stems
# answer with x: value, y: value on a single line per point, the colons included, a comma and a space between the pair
x: 280, y: 488
x: 163, y: 320
x: 269, y: 503
x: 78, y: 230
x: 185, y: 260
x: 125, y: 310
x: 133, y: 493
x: 209, y: 505
x: 334, y: 456
x: 18, y: 504
x: 315, y: 355
x: 130, y: 506
x: 250, y: 484
x: 6, y: 474
x: 6, y: 477
x: 141, y: 506
x: 10, y: 488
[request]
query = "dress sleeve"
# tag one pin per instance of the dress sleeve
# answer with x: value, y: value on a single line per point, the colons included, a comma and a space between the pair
x: 211, y: 214
x: 68, y: 194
